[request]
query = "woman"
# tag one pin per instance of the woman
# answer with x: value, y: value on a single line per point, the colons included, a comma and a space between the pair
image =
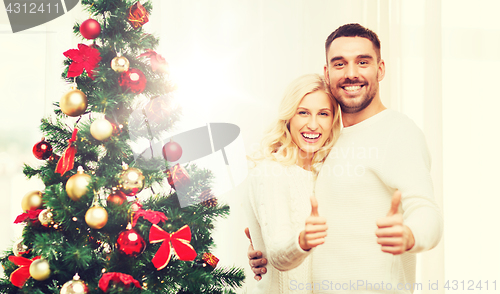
x: 283, y: 219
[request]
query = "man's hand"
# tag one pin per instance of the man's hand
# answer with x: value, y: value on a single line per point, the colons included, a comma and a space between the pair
x: 315, y: 232
x: 257, y: 263
x: 392, y: 234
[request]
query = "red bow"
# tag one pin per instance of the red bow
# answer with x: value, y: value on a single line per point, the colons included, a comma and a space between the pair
x: 67, y: 160
x: 117, y: 277
x: 28, y: 215
x: 178, y: 240
x: 22, y: 274
x: 84, y: 57
x: 153, y: 216
x: 157, y: 61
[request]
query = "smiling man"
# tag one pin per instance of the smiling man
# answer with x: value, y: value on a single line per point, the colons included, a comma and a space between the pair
x: 374, y: 188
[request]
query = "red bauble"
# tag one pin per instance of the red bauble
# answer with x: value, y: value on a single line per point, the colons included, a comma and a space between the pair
x: 42, y: 150
x: 130, y: 243
x: 133, y: 80
x: 172, y: 151
x: 116, y: 198
x: 90, y: 29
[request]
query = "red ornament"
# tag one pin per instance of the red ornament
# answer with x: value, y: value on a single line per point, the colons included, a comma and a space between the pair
x: 117, y: 278
x: 116, y: 198
x: 19, y: 277
x: 177, y: 176
x: 90, y: 29
x: 133, y: 80
x: 158, y: 62
x: 172, y: 151
x: 130, y: 243
x: 137, y: 15
x: 84, y: 57
x: 42, y: 150
x: 210, y: 259
x: 67, y: 160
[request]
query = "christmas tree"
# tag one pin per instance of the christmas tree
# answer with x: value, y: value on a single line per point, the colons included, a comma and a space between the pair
x: 87, y: 231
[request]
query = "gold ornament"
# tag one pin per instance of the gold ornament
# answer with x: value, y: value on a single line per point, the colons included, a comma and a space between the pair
x: 74, y: 103
x: 120, y: 64
x: 32, y: 201
x: 75, y: 286
x: 131, y: 181
x: 19, y: 248
x: 40, y: 269
x: 77, y: 185
x: 96, y: 217
x: 45, y: 217
x: 101, y: 129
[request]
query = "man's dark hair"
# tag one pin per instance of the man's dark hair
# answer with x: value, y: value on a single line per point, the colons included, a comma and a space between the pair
x: 354, y: 30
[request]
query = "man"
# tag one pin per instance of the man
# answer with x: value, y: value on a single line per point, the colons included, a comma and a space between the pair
x: 374, y: 188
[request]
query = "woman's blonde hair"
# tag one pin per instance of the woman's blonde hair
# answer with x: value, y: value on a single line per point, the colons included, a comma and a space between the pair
x: 277, y: 143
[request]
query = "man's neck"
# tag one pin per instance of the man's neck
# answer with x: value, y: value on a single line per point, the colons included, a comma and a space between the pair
x: 350, y: 119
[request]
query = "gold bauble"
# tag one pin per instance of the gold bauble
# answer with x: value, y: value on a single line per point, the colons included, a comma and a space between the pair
x: 101, y: 129
x: 32, y: 201
x: 45, y: 217
x: 40, y: 269
x: 19, y: 248
x: 120, y: 64
x: 75, y: 286
x: 131, y: 181
x: 96, y: 217
x: 77, y: 185
x: 74, y: 103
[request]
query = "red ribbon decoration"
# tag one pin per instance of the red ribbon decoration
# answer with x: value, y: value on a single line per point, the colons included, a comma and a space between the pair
x: 84, y: 57
x: 19, y: 277
x: 153, y: 216
x: 28, y: 215
x: 67, y: 160
x: 116, y: 277
x: 158, y: 62
x: 178, y: 240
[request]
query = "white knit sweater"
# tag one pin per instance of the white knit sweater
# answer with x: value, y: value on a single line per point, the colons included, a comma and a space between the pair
x: 354, y: 188
x: 278, y: 203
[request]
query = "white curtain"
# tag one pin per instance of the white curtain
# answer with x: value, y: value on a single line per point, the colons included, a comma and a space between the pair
x: 232, y: 61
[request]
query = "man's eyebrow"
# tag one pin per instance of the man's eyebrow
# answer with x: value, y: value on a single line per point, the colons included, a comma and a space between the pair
x: 336, y: 58
x: 365, y: 56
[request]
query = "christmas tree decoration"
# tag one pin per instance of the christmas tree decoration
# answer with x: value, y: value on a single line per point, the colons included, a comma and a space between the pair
x: 101, y: 129
x: 120, y: 64
x: 210, y: 259
x: 90, y: 29
x: 116, y: 197
x: 137, y: 15
x: 158, y: 110
x: 178, y: 177
x: 45, y: 217
x: 40, y: 269
x: 172, y: 151
x: 133, y: 80
x: 158, y: 63
x: 19, y: 277
x: 66, y: 162
x: 130, y: 243
x: 75, y: 286
x: 208, y: 199
x: 96, y: 217
x: 179, y: 241
x: 84, y: 57
x: 19, y: 248
x: 31, y: 201
x: 77, y: 185
x: 74, y: 103
x: 131, y: 181
x: 117, y: 278
x: 42, y: 150
x: 29, y: 215
x: 153, y: 216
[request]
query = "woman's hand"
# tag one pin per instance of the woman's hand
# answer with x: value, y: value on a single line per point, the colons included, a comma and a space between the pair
x: 315, y: 232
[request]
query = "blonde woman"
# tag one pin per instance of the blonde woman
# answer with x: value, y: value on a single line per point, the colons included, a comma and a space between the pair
x: 283, y: 219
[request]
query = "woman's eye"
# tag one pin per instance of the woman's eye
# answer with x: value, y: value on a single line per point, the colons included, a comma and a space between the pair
x: 324, y: 113
x: 302, y: 112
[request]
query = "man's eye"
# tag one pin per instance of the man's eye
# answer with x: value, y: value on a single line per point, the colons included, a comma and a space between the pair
x: 338, y: 64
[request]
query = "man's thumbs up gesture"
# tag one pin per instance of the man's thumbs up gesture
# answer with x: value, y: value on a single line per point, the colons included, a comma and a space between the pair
x: 392, y: 234
x: 315, y: 231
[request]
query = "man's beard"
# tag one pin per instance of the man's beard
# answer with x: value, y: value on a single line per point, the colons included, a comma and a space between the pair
x: 348, y: 108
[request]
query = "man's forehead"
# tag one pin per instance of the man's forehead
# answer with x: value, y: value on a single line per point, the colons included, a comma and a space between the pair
x: 351, y: 47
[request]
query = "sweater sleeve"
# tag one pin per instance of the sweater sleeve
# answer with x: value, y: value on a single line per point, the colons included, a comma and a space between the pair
x: 269, y: 198
x: 407, y: 168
